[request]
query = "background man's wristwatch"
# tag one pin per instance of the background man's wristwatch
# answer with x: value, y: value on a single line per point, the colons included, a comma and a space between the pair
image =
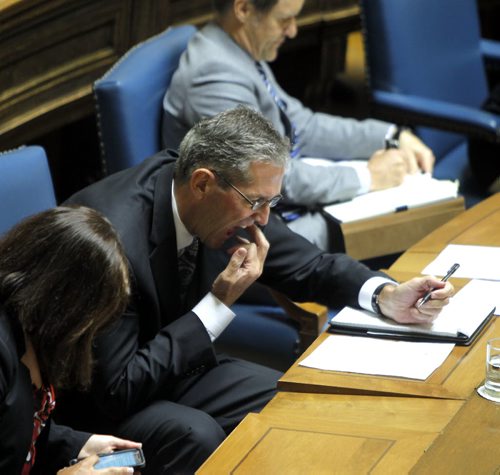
x: 391, y: 139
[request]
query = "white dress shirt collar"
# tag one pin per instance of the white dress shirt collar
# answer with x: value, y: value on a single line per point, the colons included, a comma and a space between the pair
x: 183, y: 237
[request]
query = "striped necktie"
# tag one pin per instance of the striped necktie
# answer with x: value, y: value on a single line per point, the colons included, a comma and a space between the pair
x: 186, y: 263
x: 290, y: 129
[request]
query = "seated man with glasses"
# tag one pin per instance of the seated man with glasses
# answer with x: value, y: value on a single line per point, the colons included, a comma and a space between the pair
x: 157, y: 378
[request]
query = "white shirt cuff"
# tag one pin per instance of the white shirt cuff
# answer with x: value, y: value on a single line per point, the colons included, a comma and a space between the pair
x: 214, y: 315
x: 366, y: 292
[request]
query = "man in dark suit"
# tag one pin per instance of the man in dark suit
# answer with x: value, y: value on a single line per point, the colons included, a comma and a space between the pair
x: 157, y: 378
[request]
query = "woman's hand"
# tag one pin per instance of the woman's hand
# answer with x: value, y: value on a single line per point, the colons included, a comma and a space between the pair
x: 86, y: 467
x: 101, y: 444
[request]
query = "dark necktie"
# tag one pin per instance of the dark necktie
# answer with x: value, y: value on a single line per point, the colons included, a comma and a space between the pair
x: 187, y: 264
x: 290, y: 129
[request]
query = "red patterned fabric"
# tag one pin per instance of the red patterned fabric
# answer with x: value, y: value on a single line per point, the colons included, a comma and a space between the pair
x: 45, y: 400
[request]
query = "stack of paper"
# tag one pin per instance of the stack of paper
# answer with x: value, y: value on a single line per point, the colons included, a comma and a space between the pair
x: 417, y: 190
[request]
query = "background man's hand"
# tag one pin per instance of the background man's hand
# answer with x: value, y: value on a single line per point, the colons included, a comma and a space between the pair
x: 387, y: 169
x: 418, y: 155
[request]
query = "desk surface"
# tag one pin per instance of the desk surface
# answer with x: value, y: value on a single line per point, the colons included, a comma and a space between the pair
x: 469, y: 444
x: 477, y: 226
x: 326, y: 433
x: 318, y: 433
x: 464, y: 368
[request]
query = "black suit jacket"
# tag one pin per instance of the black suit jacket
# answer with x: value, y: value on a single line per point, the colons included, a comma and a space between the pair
x: 56, y: 445
x: 156, y: 342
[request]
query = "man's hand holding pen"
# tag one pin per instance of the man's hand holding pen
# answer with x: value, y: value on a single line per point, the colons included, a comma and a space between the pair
x: 428, y: 295
x: 400, y: 302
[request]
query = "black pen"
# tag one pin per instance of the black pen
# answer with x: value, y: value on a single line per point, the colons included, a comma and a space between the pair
x: 427, y: 296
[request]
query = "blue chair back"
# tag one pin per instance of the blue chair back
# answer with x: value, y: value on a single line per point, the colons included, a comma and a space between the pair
x: 426, y: 48
x: 26, y: 185
x: 425, y: 66
x: 129, y: 98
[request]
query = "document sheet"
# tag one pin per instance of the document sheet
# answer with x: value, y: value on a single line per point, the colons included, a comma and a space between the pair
x: 476, y: 262
x: 414, y: 360
x: 410, y: 194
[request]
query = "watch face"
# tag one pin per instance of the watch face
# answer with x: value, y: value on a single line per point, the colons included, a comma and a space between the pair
x: 391, y: 143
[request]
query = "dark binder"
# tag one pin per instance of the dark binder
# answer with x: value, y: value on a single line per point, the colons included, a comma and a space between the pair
x: 406, y: 334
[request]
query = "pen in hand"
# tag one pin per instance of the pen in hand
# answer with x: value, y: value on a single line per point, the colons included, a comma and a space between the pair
x: 450, y: 272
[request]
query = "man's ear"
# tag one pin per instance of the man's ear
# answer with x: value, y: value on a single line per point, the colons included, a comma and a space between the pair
x: 242, y: 9
x: 201, y: 182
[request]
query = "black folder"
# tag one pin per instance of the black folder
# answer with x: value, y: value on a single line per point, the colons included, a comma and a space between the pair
x: 372, y: 329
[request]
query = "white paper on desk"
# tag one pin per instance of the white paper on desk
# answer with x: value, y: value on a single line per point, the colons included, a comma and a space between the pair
x: 417, y: 190
x: 404, y: 359
x: 476, y: 262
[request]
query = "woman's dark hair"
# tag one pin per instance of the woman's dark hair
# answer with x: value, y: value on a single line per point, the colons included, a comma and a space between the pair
x: 64, y: 276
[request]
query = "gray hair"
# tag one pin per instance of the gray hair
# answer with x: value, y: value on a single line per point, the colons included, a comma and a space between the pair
x: 262, y: 6
x: 229, y: 143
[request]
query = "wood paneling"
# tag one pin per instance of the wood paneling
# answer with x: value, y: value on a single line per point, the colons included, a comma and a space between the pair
x: 51, y: 53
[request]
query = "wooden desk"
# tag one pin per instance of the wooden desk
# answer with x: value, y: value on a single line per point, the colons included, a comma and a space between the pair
x: 396, y: 232
x: 478, y: 225
x: 469, y: 444
x: 318, y: 433
x: 464, y: 368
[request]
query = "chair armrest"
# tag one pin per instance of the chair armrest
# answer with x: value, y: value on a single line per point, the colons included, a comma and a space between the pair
x: 490, y: 49
x: 311, y: 317
x: 440, y: 114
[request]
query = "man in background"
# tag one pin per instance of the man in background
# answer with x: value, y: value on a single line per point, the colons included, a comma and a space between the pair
x: 226, y: 64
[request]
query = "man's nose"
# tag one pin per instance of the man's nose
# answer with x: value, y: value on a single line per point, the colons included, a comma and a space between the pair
x: 291, y: 29
x: 262, y: 215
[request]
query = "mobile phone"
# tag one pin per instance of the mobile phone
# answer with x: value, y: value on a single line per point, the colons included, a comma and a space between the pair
x: 122, y: 458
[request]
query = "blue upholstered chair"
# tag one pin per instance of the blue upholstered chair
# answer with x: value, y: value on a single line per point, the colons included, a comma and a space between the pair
x: 129, y: 106
x: 25, y: 185
x: 129, y: 98
x: 425, y: 65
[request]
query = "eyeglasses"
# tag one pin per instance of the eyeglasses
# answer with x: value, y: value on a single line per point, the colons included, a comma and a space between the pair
x: 255, y: 204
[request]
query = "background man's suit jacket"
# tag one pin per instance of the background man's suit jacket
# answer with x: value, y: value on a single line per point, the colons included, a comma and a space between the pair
x: 216, y: 74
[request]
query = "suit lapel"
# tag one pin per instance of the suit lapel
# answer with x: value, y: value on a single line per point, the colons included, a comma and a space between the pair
x: 163, y: 258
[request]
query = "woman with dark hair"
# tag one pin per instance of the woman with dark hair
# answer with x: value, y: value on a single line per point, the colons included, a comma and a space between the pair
x: 63, y: 279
